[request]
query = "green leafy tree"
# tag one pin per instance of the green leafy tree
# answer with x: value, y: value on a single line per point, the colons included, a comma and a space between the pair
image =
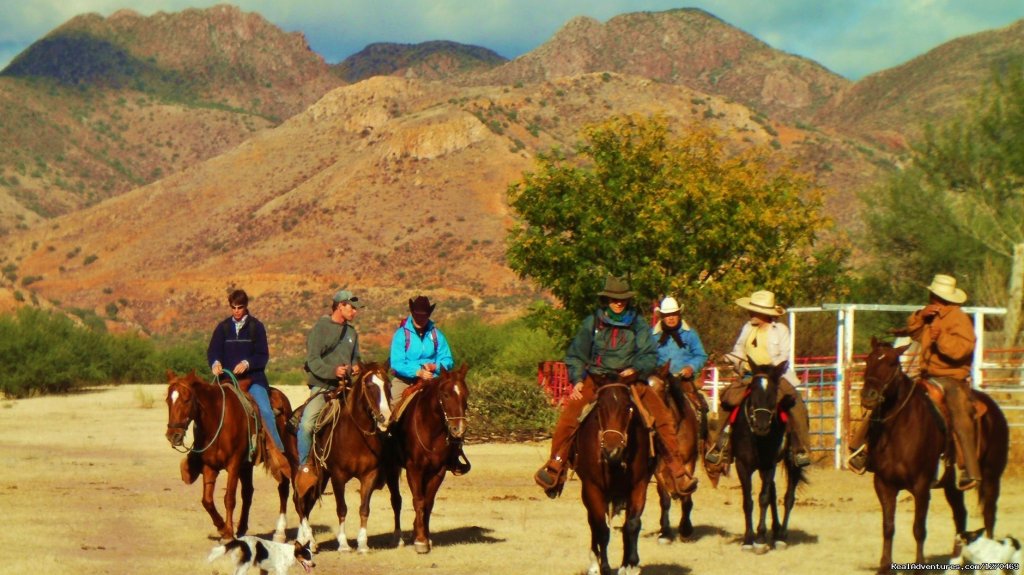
x: 679, y: 213
x: 959, y: 206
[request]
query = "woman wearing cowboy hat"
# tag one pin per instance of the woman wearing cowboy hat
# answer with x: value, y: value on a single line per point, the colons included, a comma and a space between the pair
x: 946, y: 337
x: 680, y: 347
x: 615, y: 343
x: 764, y: 341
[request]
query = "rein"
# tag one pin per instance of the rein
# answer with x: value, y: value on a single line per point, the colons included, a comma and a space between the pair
x: 906, y: 398
x: 374, y: 430
x: 192, y: 417
x: 447, y: 427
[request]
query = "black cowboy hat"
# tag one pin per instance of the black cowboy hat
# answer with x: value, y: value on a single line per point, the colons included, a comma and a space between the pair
x: 421, y: 308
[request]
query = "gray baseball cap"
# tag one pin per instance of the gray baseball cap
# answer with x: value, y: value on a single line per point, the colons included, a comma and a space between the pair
x: 346, y: 296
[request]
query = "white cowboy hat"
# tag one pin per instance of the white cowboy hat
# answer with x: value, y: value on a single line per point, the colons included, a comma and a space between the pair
x: 761, y: 302
x: 944, y: 286
x: 669, y: 305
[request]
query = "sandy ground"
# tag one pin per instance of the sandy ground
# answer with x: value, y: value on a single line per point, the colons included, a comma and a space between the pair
x: 88, y: 484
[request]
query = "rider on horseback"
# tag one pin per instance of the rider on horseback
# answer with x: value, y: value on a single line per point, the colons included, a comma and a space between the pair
x: 419, y: 351
x: 680, y: 347
x: 332, y: 355
x: 614, y: 342
x: 946, y: 337
x: 763, y: 341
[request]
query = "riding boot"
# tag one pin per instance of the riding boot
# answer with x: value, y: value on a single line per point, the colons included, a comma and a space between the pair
x: 664, y: 428
x: 720, y: 452
x: 551, y: 477
x: 800, y: 435
x: 961, y: 411
x: 457, y: 463
x: 858, y: 459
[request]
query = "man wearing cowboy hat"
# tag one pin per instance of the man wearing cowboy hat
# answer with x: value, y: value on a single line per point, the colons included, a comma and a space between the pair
x: 946, y: 337
x: 613, y: 343
x: 764, y: 341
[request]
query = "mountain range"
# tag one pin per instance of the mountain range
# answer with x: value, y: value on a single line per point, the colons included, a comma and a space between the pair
x: 156, y: 162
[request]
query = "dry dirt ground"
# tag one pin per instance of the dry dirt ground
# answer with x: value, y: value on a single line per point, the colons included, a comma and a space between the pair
x: 88, y: 484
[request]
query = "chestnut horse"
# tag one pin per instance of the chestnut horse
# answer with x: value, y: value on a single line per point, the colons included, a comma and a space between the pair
x: 758, y: 444
x: 614, y: 461
x: 687, y: 436
x: 432, y: 419
x: 221, y: 432
x: 353, y: 447
x: 906, y: 439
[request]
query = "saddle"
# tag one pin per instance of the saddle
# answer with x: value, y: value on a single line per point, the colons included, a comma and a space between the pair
x: 937, y: 396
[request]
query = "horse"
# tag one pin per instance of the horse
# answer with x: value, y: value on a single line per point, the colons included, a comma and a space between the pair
x: 434, y: 416
x: 221, y: 432
x: 352, y: 447
x: 614, y: 461
x: 906, y: 440
x: 687, y: 437
x: 758, y: 444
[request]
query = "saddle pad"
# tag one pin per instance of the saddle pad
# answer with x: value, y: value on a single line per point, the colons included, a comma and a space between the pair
x: 406, y: 398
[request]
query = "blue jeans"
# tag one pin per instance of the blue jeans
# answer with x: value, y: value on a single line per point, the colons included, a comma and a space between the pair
x: 258, y: 391
x: 314, y: 406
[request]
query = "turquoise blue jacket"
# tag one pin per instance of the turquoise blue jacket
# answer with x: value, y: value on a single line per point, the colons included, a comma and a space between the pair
x: 409, y: 351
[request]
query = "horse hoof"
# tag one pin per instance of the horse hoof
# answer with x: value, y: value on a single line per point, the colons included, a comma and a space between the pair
x: 629, y: 570
x: 760, y: 549
x: 781, y: 545
x: 363, y: 550
x: 280, y: 537
x: 422, y: 547
x: 663, y: 540
x: 747, y: 547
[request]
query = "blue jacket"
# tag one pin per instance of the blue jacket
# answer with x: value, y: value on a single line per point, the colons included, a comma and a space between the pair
x: 691, y: 353
x: 249, y: 344
x: 409, y: 351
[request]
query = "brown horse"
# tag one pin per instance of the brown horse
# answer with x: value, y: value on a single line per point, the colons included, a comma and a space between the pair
x: 906, y: 439
x: 352, y: 447
x: 221, y: 432
x: 614, y: 462
x: 687, y: 437
x: 758, y: 444
x: 434, y: 417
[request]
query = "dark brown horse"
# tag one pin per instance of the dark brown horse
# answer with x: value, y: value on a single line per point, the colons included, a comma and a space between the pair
x: 614, y: 462
x: 906, y: 439
x: 350, y: 447
x: 434, y: 418
x: 687, y: 437
x: 221, y: 432
x: 758, y: 444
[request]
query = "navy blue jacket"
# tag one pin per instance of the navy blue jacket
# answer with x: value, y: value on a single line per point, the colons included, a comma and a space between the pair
x: 249, y: 344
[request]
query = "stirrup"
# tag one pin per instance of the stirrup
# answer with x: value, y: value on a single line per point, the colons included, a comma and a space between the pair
x: 966, y: 482
x: 550, y: 480
x: 857, y: 461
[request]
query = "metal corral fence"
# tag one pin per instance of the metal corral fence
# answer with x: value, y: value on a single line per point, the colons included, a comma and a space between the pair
x: 832, y: 413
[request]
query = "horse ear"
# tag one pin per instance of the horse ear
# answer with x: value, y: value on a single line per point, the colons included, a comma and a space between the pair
x: 171, y: 376
x: 779, y: 370
x: 663, y: 370
x: 463, y: 369
x: 874, y: 342
x: 899, y: 350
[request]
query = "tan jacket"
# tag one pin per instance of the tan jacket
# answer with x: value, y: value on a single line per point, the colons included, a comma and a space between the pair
x: 952, y: 352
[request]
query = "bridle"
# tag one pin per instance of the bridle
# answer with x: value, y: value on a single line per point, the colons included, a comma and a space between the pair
x: 883, y: 387
x: 193, y: 415
x: 449, y: 436
x: 751, y: 412
x: 365, y: 394
x: 602, y: 432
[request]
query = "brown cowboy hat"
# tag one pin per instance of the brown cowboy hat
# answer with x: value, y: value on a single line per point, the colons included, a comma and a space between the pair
x: 616, y: 288
x: 762, y: 301
x: 421, y: 308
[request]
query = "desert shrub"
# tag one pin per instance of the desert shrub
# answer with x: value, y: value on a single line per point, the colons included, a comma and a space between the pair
x: 505, y: 406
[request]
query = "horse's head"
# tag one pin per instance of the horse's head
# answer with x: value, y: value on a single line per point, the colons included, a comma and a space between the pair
x: 376, y: 389
x: 762, y: 403
x: 182, y: 405
x: 453, y: 393
x: 881, y: 369
x: 614, y: 413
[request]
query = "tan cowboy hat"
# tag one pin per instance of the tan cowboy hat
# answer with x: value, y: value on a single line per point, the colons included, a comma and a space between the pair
x: 761, y: 302
x: 669, y: 305
x: 944, y: 286
x: 616, y: 288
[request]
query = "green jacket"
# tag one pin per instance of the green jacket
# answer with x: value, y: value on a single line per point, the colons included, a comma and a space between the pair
x: 329, y: 345
x: 603, y: 346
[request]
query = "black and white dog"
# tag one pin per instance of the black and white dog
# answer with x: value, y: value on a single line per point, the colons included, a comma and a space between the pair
x: 995, y: 557
x: 268, y: 556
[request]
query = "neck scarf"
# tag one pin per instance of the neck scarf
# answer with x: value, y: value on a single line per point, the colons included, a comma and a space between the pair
x: 673, y: 332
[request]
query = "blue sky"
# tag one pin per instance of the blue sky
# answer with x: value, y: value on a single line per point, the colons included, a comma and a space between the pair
x: 850, y: 37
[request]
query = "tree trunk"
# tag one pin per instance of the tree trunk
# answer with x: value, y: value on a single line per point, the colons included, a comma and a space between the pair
x: 1015, y: 293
